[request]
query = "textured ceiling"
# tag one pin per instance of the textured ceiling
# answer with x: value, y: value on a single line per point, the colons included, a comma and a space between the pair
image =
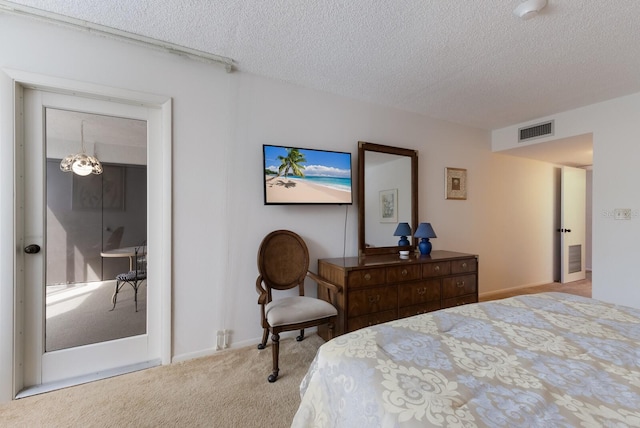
x: 469, y: 62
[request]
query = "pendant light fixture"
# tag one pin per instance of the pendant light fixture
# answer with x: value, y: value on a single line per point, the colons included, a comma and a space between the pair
x: 81, y: 163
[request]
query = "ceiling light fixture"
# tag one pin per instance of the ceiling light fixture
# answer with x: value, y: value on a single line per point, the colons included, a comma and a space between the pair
x: 529, y: 9
x: 81, y: 163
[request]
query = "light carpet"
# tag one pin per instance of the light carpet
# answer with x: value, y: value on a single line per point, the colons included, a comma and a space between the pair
x: 80, y: 314
x: 228, y: 389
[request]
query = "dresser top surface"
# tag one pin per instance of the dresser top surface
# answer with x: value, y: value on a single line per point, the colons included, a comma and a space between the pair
x: 394, y: 259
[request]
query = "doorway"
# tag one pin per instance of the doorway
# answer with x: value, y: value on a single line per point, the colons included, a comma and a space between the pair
x: 32, y: 366
x: 71, y: 238
x: 573, y: 224
x: 577, y: 152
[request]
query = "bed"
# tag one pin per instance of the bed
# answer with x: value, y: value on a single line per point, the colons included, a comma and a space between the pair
x: 540, y: 360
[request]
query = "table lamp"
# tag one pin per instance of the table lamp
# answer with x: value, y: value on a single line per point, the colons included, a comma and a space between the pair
x: 425, y: 231
x: 402, y: 231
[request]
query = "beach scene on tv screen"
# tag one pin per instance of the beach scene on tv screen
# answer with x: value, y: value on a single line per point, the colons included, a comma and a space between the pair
x: 306, y: 176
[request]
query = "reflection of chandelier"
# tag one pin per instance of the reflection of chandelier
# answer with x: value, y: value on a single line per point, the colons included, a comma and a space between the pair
x: 81, y: 163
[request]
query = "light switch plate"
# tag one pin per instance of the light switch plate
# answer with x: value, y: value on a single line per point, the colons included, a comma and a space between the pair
x: 622, y: 213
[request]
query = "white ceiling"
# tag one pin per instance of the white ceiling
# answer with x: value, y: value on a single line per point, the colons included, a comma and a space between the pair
x: 65, y: 125
x: 468, y: 62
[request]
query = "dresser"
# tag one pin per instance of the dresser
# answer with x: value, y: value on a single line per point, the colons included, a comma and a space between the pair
x: 382, y: 288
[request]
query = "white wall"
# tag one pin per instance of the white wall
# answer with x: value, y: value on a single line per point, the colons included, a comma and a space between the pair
x: 616, y: 150
x: 221, y: 121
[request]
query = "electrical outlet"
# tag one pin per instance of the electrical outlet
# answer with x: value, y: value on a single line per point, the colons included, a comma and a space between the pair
x: 223, y: 339
x: 622, y: 213
x: 220, y: 339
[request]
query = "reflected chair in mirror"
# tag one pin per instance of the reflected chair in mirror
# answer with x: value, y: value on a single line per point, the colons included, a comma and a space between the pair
x: 134, y: 277
x: 283, y: 264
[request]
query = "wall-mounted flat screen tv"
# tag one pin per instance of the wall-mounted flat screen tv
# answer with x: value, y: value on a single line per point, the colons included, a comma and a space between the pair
x: 294, y: 175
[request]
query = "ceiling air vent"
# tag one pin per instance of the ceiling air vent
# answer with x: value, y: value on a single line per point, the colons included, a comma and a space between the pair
x: 535, y: 131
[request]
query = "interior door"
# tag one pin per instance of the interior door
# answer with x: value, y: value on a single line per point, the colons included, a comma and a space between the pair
x: 573, y: 224
x: 42, y: 365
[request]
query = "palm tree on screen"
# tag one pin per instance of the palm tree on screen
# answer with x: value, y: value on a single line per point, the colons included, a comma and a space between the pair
x: 291, y: 163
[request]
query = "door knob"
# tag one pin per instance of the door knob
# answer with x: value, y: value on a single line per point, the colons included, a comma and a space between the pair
x: 32, y: 249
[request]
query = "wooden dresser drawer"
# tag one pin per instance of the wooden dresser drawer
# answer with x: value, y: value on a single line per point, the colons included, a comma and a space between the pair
x: 377, y: 288
x: 419, y: 292
x: 403, y: 273
x: 457, y: 301
x: 378, y: 299
x: 436, y: 269
x: 371, y: 319
x: 464, y: 265
x: 423, y: 308
x: 458, y: 286
x: 365, y: 277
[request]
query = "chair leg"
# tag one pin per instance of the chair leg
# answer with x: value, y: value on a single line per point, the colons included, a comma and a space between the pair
x: 275, y: 349
x: 330, y: 331
x: 114, y: 298
x: 135, y: 285
x: 301, y: 337
x: 265, y: 336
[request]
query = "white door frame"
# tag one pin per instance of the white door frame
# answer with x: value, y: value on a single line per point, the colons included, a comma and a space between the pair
x: 12, y: 308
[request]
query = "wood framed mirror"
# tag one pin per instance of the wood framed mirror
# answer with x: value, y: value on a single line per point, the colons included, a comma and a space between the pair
x: 387, y: 196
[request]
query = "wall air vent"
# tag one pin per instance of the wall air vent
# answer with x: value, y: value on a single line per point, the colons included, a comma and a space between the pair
x: 535, y: 131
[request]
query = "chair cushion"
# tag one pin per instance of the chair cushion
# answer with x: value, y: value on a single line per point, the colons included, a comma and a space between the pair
x: 131, y: 276
x: 292, y: 310
x: 126, y: 276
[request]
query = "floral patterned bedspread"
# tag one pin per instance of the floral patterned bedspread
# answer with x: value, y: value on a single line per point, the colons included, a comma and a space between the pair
x: 541, y: 360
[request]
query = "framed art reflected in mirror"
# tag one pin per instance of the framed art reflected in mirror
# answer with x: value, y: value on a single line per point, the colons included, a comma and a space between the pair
x: 389, y: 206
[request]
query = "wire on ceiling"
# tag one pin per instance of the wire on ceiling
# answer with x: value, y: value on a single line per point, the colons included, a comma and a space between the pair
x: 113, y: 33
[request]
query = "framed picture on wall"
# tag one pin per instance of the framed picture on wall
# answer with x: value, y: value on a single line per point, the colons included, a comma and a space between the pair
x: 455, y: 183
x: 389, y: 206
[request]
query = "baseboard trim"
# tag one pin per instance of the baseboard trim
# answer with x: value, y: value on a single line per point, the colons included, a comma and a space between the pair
x: 507, y: 290
x: 236, y: 345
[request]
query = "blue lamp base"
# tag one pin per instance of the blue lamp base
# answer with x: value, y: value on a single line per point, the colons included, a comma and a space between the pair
x: 403, y: 241
x: 425, y: 246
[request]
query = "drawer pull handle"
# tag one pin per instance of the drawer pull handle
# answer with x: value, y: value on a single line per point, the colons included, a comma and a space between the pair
x: 460, y: 284
x: 464, y: 265
x: 374, y: 299
x: 422, y: 290
x: 404, y: 272
x: 437, y: 268
x: 367, y: 276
